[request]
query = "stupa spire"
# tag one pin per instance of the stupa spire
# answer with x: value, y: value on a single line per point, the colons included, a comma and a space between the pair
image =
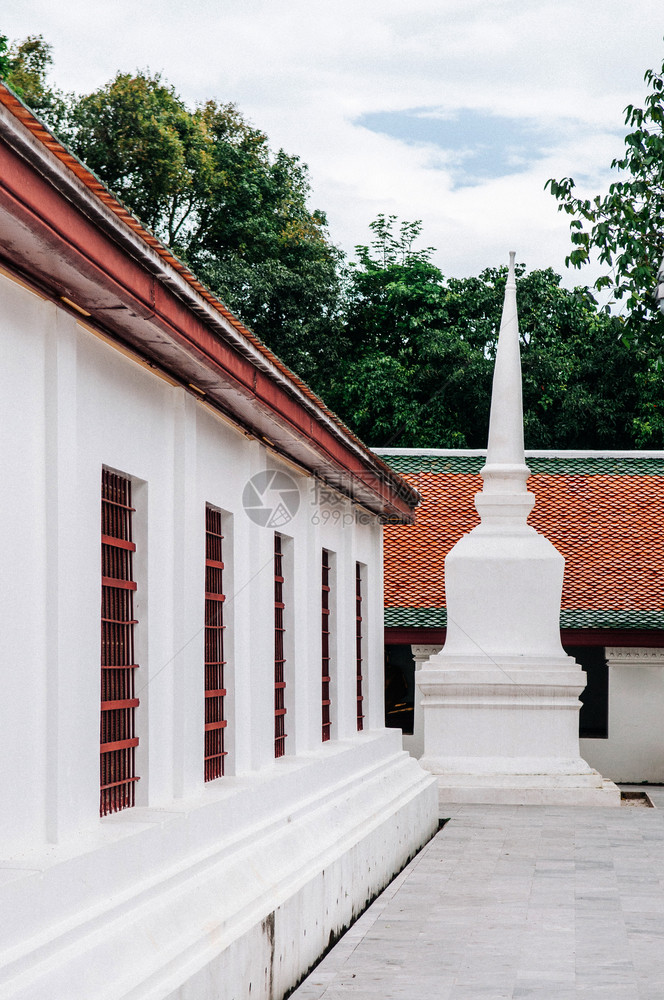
x: 504, y: 494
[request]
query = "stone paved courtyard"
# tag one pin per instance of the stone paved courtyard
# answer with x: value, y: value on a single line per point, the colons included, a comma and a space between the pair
x: 515, y: 903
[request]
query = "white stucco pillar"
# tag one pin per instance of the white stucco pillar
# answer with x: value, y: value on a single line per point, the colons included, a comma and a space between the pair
x: 501, y: 700
x: 415, y: 744
x: 634, y: 749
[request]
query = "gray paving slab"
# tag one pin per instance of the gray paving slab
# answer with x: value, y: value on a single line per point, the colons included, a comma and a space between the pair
x: 515, y: 903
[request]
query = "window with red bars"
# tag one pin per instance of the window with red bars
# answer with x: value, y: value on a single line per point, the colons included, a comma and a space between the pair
x: 215, y: 691
x: 279, y: 660
x: 358, y: 645
x: 325, y: 637
x: 118, y: 704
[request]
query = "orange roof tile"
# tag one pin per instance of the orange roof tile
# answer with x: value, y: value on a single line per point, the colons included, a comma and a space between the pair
x: 605, y: 516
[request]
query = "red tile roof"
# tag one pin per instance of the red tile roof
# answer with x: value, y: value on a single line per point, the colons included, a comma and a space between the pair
x: 605, y: 515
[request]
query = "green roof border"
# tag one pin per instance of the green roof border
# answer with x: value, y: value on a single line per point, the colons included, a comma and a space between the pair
x: 624, y: 619
x: 443, y: 465
x: 551, y: 466
x: 577, y: 618
x: 415, y: 617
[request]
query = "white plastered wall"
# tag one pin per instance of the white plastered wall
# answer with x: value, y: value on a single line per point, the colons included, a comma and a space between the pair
x: 183, y: 883
x: 634, y: 750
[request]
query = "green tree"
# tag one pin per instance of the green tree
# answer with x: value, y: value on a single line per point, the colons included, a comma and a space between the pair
x: 4, y: 58
x: 263, y: 250
x: 142, y: 141
x: 208, y: 184
x: 625, y: 227
x: 409, y: 378
x: 580, y: 379
x: 25, y: 66
x: 419, y: 369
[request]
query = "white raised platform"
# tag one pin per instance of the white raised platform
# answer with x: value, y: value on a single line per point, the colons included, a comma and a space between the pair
x: 235, y: 894
x: 494, y: 732
x: 526, y: 790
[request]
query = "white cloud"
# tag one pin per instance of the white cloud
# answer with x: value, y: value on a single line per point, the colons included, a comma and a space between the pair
x: 304, y: 72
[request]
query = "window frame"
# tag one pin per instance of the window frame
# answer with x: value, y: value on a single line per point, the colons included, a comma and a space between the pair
x: 280, y: 734
x: 118, y: 701
x: 214, y: 752
x: 359, y: 649
x: 326, y: 642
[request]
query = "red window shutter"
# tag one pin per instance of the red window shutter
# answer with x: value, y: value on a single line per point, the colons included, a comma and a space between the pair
x: 118, y: 704
x: 279, y: 660
x: 358, y: 645
x: 215, y: 691
x: 325, y: 640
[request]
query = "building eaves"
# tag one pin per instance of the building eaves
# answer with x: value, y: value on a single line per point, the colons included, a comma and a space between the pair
x: 363, y: 476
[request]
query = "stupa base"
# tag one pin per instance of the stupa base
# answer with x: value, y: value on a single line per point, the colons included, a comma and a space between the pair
x: 507, y: 734
x: 586, y: 789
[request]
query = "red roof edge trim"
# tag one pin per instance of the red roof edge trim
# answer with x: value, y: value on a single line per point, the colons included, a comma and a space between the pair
x: 95, y: 186
x: 649, y: 638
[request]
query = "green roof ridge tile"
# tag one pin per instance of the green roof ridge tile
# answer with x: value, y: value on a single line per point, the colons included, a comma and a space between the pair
x: 575, y: 618
x: 415, y: 617
x: 622, y: 619
x: 441, y: 464
x: 581, y: 465
x: 589, y: 466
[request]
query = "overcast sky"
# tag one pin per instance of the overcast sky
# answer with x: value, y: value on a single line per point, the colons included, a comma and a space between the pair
x: 455, y: 112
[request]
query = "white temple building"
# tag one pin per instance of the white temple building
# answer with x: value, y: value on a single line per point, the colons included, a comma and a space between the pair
x: 198, y: 791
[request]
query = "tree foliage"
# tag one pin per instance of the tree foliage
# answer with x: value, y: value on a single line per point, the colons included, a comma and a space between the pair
x: 140, y: 139
x: 208, y: 184
x: 25, y: 66
x: 625, y: 227
x: 402, y: 353
x: 406, y: 376
x: 4, y: 58
x: 260, y: 246
x: 421, y: 363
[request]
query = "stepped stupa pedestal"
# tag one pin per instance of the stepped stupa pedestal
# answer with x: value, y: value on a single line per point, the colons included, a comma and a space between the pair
x: 501, y: 700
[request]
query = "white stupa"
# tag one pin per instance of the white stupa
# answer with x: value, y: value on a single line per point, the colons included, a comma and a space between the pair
x: 501, y: 700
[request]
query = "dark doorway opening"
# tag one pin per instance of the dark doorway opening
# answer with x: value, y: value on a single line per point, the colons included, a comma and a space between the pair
x: 594, y: 714
x: 399, y: 688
